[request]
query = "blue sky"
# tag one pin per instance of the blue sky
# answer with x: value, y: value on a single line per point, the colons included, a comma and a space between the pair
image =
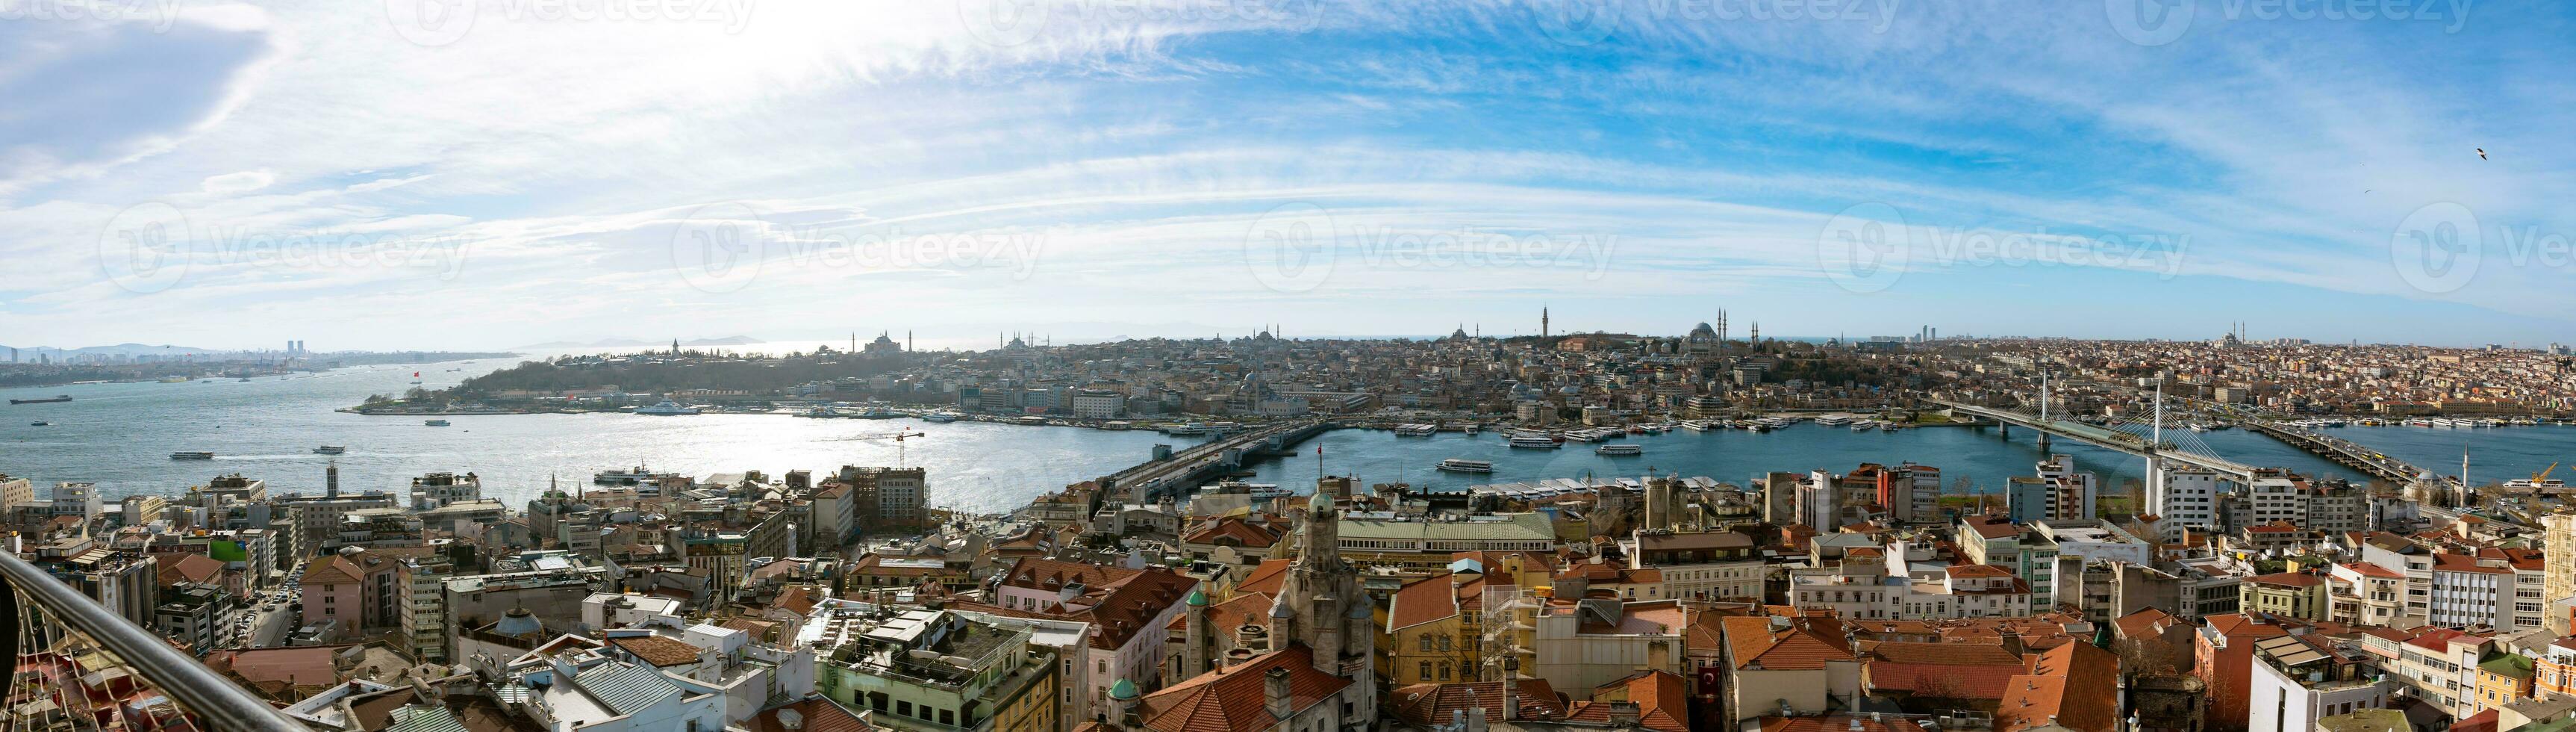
x: 356, y: 176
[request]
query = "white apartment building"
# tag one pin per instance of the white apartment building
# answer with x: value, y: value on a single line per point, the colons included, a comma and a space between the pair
x: 2187, y: 499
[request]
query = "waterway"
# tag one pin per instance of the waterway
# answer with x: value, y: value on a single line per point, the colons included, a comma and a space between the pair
x: 119, y: 436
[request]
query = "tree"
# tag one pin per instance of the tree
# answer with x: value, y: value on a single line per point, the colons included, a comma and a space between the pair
x: 2145, y: 656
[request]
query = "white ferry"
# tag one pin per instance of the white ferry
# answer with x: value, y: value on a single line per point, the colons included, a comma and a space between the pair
x: 1619, y: 450
x: 1459, y: 465
x: 1534, y: 442
x: 635, y: 476
x: 1834, y: 419
x: 1416, y: 430
x: 944, y: 417
x: 666, y: 408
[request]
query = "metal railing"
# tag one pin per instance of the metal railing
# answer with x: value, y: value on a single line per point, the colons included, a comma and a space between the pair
x: 80, y: 667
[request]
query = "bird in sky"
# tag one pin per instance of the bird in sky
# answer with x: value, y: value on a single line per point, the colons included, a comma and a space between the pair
x: 2482, y: 153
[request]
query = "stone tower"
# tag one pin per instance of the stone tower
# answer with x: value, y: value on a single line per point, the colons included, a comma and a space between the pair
x: 1320, y: 603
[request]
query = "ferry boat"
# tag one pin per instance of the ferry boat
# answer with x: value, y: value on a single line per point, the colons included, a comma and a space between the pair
x: 48, y: 400
x: 2544, y: 485
x: 329, y: 450
x: 1834, y: 419
x: 192, y: 455
x: 666, y: 408
x: 939, y: 417
x: 636, y: 476
x: 1533, y: 442
x: 1416, y: 430
x: 435, y: 422
x: 1460, y: 465
x: 1697, y: 425
x: 1619, y: 450
x: 1863, y: 426
x: 1259, y: 491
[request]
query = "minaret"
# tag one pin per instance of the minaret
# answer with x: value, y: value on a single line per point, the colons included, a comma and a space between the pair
x: 1542, y: 321
x: 1194, y: 654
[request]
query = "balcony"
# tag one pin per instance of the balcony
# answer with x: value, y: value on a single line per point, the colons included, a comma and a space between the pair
x: 81, y: 667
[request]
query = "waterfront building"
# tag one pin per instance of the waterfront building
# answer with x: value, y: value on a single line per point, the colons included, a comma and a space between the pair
x: 1427, y: 545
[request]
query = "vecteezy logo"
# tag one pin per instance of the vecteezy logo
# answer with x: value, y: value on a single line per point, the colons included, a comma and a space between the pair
x: 430, y: 22
x: 1576, y: 22
x: 2149, y: 22
x: 1003, y: 22
x: 1865, y: 248
x: 1291, y: 248
x: 2437, y: 248
x: 719, y: 248
x: 146, y: 247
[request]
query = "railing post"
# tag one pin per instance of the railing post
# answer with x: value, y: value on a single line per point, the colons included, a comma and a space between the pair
x: 39, y: 597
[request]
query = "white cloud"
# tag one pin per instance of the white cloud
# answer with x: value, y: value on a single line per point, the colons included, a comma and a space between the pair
x: 242, y: 182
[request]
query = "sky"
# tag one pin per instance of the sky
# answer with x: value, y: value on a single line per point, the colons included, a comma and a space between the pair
x: 488, y: 173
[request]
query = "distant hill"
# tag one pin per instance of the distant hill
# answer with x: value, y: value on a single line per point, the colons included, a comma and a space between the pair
x: 635, y: 343
x: 29, y: 353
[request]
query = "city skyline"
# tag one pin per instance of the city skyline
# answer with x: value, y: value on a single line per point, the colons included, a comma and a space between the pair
x: 319, y: 175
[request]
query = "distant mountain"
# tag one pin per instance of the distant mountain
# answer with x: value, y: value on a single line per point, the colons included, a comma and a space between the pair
x: 635, y: 343
x: 29, y: 353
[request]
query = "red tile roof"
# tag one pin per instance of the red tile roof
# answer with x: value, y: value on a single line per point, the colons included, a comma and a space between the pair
x: 1806, y: 645
x: 1662, y: 701
x: 1234, y: 699
x: 1946, y: 670
x: 1427, y: 705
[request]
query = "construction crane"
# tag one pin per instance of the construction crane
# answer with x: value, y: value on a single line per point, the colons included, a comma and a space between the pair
x: 2537, y: 481
x: 896, y: 437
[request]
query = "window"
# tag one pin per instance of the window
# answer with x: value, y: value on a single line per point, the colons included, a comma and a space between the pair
x: 1426, y: 643
x: 903, y: 708
x: 1426, y: 671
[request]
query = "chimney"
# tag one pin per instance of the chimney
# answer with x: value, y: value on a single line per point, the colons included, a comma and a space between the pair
x: 1623, y: 714
x: 1476, y: 719
x: 1274, y: 692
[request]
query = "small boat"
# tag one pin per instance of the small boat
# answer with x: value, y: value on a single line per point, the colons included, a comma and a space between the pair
x: 39, y: 423
x: 330, y: 450
x: 1460, y: 465
x: 435, y: 423
x: 48, y: 400
x: 1619, y: 450
x: 192, y: 455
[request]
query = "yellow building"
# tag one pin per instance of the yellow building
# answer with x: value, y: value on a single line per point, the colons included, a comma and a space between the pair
x: 2503, y: 680
x: 1432, y: 631
x: 2295, y: 595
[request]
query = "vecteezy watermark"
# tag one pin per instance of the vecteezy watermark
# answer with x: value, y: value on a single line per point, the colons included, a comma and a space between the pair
x: 1868, y: 247
x: 1292, y: 247
x: 158, y: 14
x: 1295, y: 247
x: 151, y: 246
x: 2158, y: 22
x: 723, y: 247
x: 1014, y: 22
x: 1586, y: 22
x: 1865, y: 248
x: 2440, y: 247
x: 145, y: 248
x: 441, y: 22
